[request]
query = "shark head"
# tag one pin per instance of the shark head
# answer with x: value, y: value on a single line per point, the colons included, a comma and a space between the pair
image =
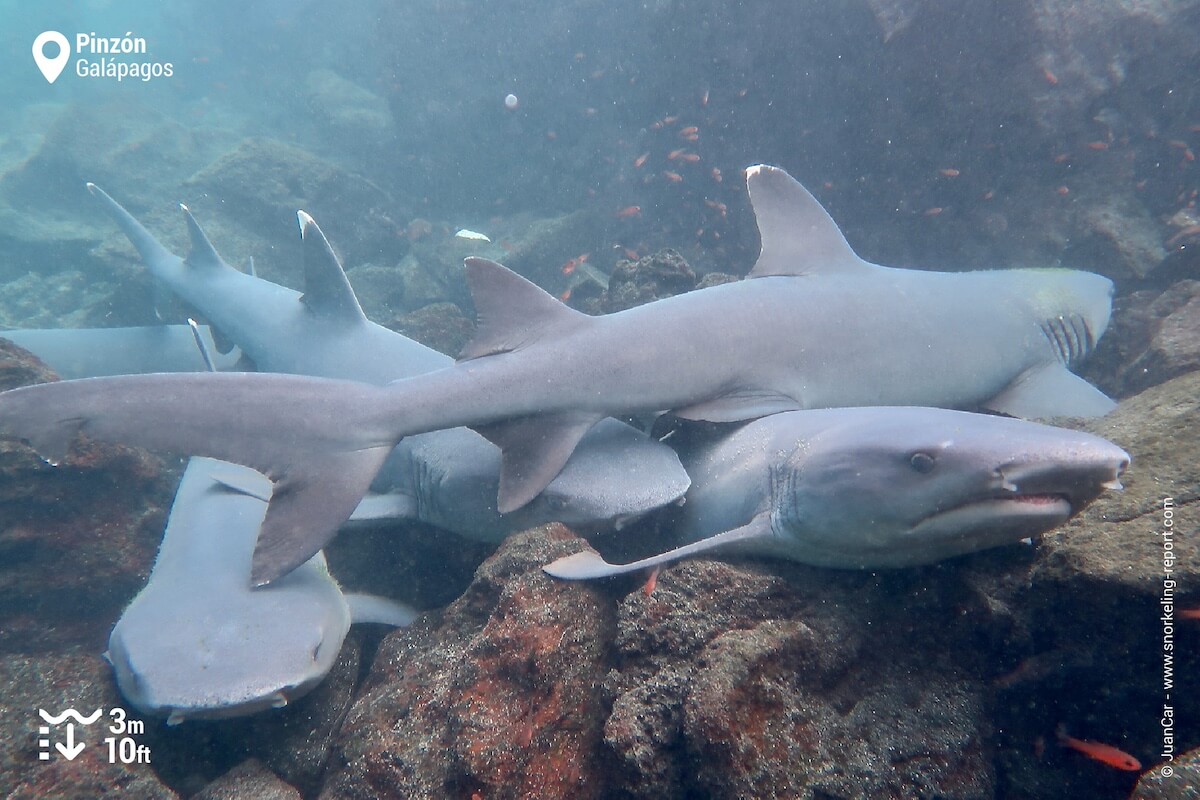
x: 1073, y: 308
x: 231, y: 652
x: 916, y: 485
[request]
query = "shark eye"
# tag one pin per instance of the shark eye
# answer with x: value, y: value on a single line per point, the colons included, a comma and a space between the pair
x: 921, y: 462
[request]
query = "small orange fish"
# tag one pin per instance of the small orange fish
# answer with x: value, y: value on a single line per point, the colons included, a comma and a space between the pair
x: 691, y: 158
x: 689, y: 130
x: 716, y: 175
x: 674, y: 154
x: 989, y: 194
x: 1097, y: 145
x: 565, y: 296
x: 632, y: 255
x: 651, y: 582
x: 704, y: 98
x: 716, y: 205
x: 1178, y: 144
x: 673, y: 177
x: 1050, y: 77
x: 692, y: 137
x: 671, y: 120
x: 1063, y: 191
x: 1104, y: 753
x: 1060, y: 158
x: 949, y: 173
x: 1188, y: 155
x: 640, y: 161
x: 933, y: 212
x: 1189, y: 613
x: 629, y: 211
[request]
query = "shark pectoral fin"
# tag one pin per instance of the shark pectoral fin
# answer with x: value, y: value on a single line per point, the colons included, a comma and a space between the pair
x: 1050, y: 391
x: 387, y: 506
x: 588, y: 564
x: 327, y: 291
x: 311, y: 499
x: 380, y: 610
x: 737, y: 407
x: 512, y: 312
x: 533, y: 451
x: 798, y: 235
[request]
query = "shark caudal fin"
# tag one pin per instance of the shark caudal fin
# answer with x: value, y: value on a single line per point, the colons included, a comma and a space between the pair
x: 305, y: 434
x: 513, y: 313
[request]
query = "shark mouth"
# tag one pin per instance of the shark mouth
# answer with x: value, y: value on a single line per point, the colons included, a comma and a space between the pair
x: 1007, y: 517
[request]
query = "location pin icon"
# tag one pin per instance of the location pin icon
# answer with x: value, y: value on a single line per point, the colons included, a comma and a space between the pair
x: 51, y: 67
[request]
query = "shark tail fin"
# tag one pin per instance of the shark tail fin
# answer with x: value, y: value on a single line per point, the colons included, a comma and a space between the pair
x: 511, y: 313
x: 149, y: 248
x: 302, y: 433
x: 326, y: 289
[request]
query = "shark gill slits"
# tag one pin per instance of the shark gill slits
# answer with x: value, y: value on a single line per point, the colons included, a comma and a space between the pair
x: 922, y: 462
x: 1070, y: 336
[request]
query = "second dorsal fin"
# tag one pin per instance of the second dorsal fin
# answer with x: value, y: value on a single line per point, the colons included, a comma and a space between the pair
x: 510, y: 311
x: 201, y: 255
x: 798, y: 235
x: 327, y: 291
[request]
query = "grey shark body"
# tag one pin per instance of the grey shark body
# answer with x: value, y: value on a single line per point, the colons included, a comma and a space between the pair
x: 867, y: 488
x: 93, y: 352
x: 198, y: 642
x: 814, y: 326
x: 446, y: 478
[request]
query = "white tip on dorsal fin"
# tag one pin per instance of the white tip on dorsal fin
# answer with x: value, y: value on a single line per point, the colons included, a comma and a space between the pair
x: 510, y: 311
x: 798, y: 235
x: 202, y: 254
x: 327, y: 291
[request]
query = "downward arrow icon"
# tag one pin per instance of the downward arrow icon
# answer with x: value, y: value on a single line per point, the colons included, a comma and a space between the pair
x: 71, y: 748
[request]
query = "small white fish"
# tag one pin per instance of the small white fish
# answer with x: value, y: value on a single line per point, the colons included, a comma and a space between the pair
x: 474, y: 236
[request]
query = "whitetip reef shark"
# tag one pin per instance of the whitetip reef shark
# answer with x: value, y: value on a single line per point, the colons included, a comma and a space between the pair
x: 814, y: 326
x: 447, y: 478
x: 198, y: 642
x: 868, y: 488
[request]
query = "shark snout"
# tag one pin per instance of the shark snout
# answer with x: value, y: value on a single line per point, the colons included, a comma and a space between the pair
x: 1078, y: 477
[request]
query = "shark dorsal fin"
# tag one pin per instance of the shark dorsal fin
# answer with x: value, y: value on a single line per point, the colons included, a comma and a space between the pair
x: 327, y: 291
x: 510, y: 311
x: 202, y: 254
x: 798, y: 235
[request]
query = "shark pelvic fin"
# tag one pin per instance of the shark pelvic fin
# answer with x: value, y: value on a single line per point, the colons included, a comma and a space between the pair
x: 511, y: 311
x: 737, y: 407
x: 533, y: 451
x: 798, y: 235
x: 326, y: 290
x: 202, y: 254
x: 381, y: 610
x: 588, y: 564
x: 311, y: 498
x: 1050, y: 391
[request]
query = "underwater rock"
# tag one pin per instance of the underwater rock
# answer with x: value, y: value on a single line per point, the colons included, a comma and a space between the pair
x: 1174, y: 347
x: 249, y: 780
x: 497, y: 696
x: 442, y: 326
x: 262, y: 182
x: 735, y: 682
x: 56, y: 682
x: 1117, y: 233
x: 1180, y: 785
x: 652, y: 277
x: 76, y: 541
x: 1115, y: 541
x: 348, y: 109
